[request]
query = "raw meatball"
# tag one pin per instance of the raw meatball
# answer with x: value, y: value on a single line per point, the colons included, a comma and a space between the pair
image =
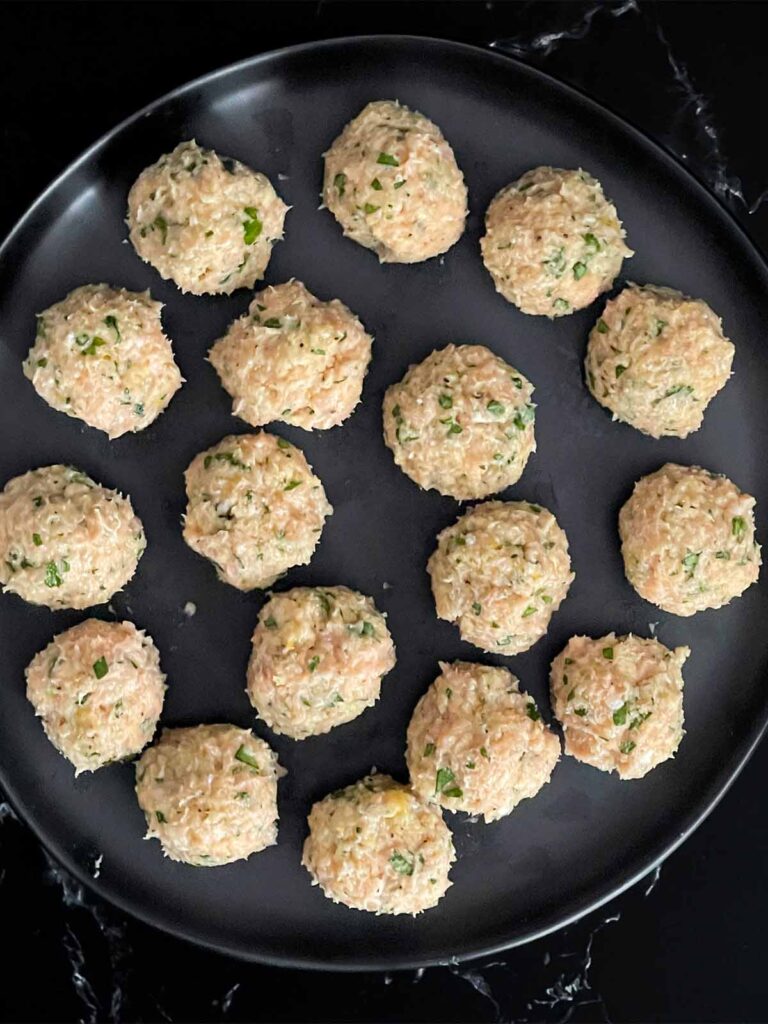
x: 100, y: 355
x: 476, y: 744
x: 206, y: 222
x: 553, y: 242
x: 376, y: 846
x: 461, y: 422
x: 688, y: 539
x: 319, y: 655
x: 99, y: 691
x: 499, y: 573
x: 619, y: 701
x: 293, y: 358
x: 656, y: 359
x: 255, y: 508
x: 209, y: 794
x: 392, y: 183
x: 65, y: 541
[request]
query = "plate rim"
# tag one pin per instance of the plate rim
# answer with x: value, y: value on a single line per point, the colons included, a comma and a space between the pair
x: 641, y: 865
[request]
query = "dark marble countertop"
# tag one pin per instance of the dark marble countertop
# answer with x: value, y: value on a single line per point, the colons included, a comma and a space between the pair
x: 684, y: 944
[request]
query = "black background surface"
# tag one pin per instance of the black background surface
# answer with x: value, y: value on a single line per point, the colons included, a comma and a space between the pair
x: 692, y: 949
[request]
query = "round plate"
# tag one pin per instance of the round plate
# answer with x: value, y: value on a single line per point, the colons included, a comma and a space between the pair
x: 586, y: 835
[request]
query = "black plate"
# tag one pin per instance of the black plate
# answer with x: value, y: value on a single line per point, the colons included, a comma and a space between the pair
x: 587, y: 835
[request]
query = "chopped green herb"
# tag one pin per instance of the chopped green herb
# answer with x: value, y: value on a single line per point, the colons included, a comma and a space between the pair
x: 369, y: 208
x: 339, y: 183
x: 579, y: 270
x: 530, y: 610
x: 367, y: 629
x: 476, y: 608
x: 620, y: 714
x: 388, y: 160
x: 100, y: 667
x: 443, y: 780
x: 532, y: 711
x: 270, y: 622
x: 484, y: 753
x: 52, y: 575
x: 640, y: 719
x: 627, y: 746
x: 660, y: 325
x: 620, y: 370
x: 161, y: 817
x: 562, y: 304
x: 602, y: 326
x: 252, y: 227
x: 88, y: 346
x: 429, y: 750
x: 37, y: 540
x: 229, y: 457
x: 314, y: 661
x: 738, y: 527
x: 524, y: 416
x: 273, y: 322
x: 496, y: 408
x: 581, y: 712
x: 690, y: 562
x: 400, y: 183
x: 282, y: 443
x: 401, y: 864
x: 291, y: 484
x: 111, y: 322
x: 556, y: 264
x: 139, y: 408
x: 246, y: 758
x: 42, y: 363
x: 726, y: 555
x: 376, y: 185
x: 162, y: 226
x: 446, y: 402
x: 591, y: 243
x: 678, y: 389
x: 608, y: 653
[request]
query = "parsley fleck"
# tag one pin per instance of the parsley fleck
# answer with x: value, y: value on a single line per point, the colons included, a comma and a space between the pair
x: 388, y: 160
x: 620, y: 714
x: 524, y: 416
x: 579, y: 270
x: 690, y: 562
x: 270, y: 622
x: 313, y: 662
x: 52, y: 575
x: 246, y: 758
x: 738, y: 527
x: 530, y: 610
x: 429, y: 750
x: 370, y: 208
x: 100, y: 668
x: 291, y: 484
x: 627, y: 746
x: 161, y: 817
x: 443, y: 780
x: 581, y: 712
x: 532, y: 711
x: 402, y: 865
x: 376, y: 185
x: 339, y: 183
x: 602, y: 326
x: 446, y: 402
x: 608, y: 653
x: 476, y: 607
x: 111, y: 322
x: 272, y: 322
x: 37, y: 540
x: 496, y: 408
x: 162, y: 226
x: 620, y: 370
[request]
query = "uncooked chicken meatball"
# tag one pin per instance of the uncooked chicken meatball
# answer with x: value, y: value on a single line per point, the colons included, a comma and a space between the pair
x: 319, y: 655
x: 499, y: 573
x: 99, y: 691
x: 392, y: 183
x: 100, y: 355
x: 477, y: 744
x: 65, y: 541
x: 209, y: 794
x: 206, y: 222
x: 619, y: 701
x: 656, y: 359
x: 461, y: 422
x: 688, y: 539
x: 293, y: 358
x: 553, y: 242
x: 376, y: 846
x: 255, y: 508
